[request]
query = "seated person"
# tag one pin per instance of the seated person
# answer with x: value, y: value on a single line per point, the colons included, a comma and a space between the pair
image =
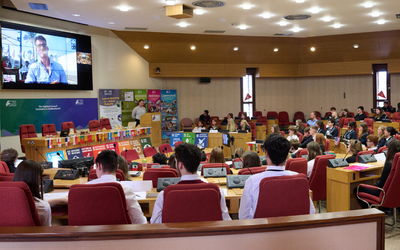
x: 294, y: 147
x: 351, y: 133
x: 314, y: 150
x: 275, y: 129
x: 31, y: 173
x: 372, y: 142
x: 380, y: 114
x: 9, y: 156
x: 200, y: 126
x: 307, y: 138
x: 214, y: 125
x: 276, y: 151
x: 187, y: 160
x: 292, y: 133
x: 242, y: 117
x: 386, y: 107
x: 393, y: 148
x: 244, y: 126
x: 228, y: 117
x: 333, y: 109
x: 251, y: 159
x: 205, y: 118
x: 160, y: 159
x: 364, y: 132
x: 216, y: 156
x: 354, y: 148
x: 331, y: 130
x: 123, y: 165
x: 313, y: 120
x: 382, y: 138
x: 106, y: 169
x: 321, y: 127
x: 300, y: 127
x: 346, y: 113
x: 360, y: 114
x: 171, y: 160
x: 231, y: 127
x: 238, y: 153
x: 313, y: 131
x: 389, y: 133
x: 320, y: 139
x: 335, y: 117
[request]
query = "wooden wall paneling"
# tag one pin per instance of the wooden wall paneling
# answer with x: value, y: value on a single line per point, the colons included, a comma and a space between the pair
x: 395, y: 89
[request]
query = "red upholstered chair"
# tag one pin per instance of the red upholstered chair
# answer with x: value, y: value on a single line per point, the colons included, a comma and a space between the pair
x: 191, y: 203
x: 26, y: 131
x: 352, y: 114
x: 177, y: 143
x: 301, y: 152
x: 369, y: 122
x: 165, y: 148
x: 381, y: 149
x: 216, y: 117
x: 273, y: 114
x: 341, y: 121
x: 120, y: 175
x: 97, y: 204
x: 366, y: 113
x: 253, y: 130
x: 388, y: 114
x: 338, y: 128
x: 346, y: 122
x: 216, y: 165
x: 68, y: 126
x: 257, y: 113
x: 105, y: 123
x: 130, y: 155
x: 282, y: 133
x: 396, y: 117
x: 317, y: 179
x: 241, y: 112
x: 327, y: 144
x: 154, y: 173
x: 264, y: 121
x: 186, y: 123
x: 279, y: 194
x: 4, y: 167
x: 149, y: 151
x: 298, y: 165
x: 253, y: 170
x: 196, y: 120
x: 140, y: 165
x: 94, y: 125
x: 284, y: 119
x: 300, y: 135
x: 372, y: 152
x: 397, y: 137
x: 17, y: 205
x: 327, y: 114
x: 6, y: 177
x: 298, y: 115
x: 305, y: 125
x: 49, y: 129
x: 317, y: 114
x: 371, y: 131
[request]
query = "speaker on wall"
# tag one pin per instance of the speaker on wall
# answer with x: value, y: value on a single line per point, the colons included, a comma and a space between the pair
x: 205, y: 80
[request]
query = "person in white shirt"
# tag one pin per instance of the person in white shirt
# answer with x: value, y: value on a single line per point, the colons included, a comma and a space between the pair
x: 138, y: 111
x: 31, y: 173
x: 314, y: 150
x: 292, y: 133
x: 276, y: 150
x: 313, y: 131
x: 200, y: 126
x: 187, y: 157
x: 106, y: 169
x: 372, y: 142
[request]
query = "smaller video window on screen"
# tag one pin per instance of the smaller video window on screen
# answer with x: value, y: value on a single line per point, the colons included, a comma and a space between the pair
x: 84, y: 58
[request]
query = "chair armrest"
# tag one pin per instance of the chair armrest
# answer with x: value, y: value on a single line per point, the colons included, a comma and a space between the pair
x: 373, y: 188
x: 370, y: 187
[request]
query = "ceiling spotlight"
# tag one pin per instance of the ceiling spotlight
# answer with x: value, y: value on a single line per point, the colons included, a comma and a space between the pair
x: 183, y: 25
x: 314, y: 10
x: 312, y: 48
x: 170, y: 2
x: 266, y: 15
x: 111, y: 22
x: 368, y: 5
x: 124, y: 8
x: 282, y: 23
x: 192, y: 47
x: 327, y: 19
x: 276, y: 50
x: 299, y: 1
x: 246, y: 6
x: 199, y: 11
x: 146, y: 46
x: 337, y: 25
x: 76, y: 15
x: 296, y: 29
x: 375, y: 13
x: 242, y: 27
x: 381, y: 21
x: 355, y: 46
x: 235, y: 48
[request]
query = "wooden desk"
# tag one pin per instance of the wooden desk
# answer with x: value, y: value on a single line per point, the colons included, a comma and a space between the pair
x: 271, y: 122
x: 341, y: 183
x: 260, y: 132
x: 387, y: 124
x: 339, y: 149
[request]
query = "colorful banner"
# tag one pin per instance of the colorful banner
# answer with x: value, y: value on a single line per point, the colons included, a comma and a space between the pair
x: 112, y: 146
x: 124, y: 145
x: 145, y: 142
x: 128, y: 104
x: 169, y: 112
x: 87, y: 151
x: 201, y: 140
x: 15, y: 112
x: 135, y: 144
x: 97, y: 149
x: 175, y: 137
x: 54, y: 157
x: 110, y: 106
x: 74, y: 153
x: 141, y: 94
x: 153, y: 100
x: 189, y: 138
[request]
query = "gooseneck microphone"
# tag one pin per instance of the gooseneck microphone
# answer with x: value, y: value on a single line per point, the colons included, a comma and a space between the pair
x: 41, y: 154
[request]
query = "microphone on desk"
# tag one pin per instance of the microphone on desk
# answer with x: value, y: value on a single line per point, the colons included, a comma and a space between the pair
x: 45, y: 163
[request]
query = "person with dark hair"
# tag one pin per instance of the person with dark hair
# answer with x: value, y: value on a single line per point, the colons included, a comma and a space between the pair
x: 46, y: 70
x: 294, y: 147
x: 333, y: 109
x: 251, y: 159
x: 160, y: 159
x: 354, y: 148
x: 106, y: 170
x: 10, y: 156
x: 171, y: 161
x: 205, y: 118
x: 360, y: 114
x: 300, y: 127
x: 380, y: 114
x: 203, y: 156
x: 187, y: 157
x: 364, y: 132
x: 389, y: 133
x: 346, y: 113
x: 331, y: 130
x: 321, y: 127
x: 276, y: 150
x: 123, y: 165
x: 31, y: 173
x: 351, y: 133
x: 307, y: 138
x: 386, y: 107
x: 138, y: 111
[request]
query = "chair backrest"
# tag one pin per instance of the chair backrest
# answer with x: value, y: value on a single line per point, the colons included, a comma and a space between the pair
x: 165, y: 148
x: 6, y: 177
x: 94, y: 125
x: 257, y: 113
x: 196, y: 120
x: 298, y: 115
x: 346, y: 121
x: 317, y: 114
x: 17, y: 205
x: 301, y: 152
x: 241, y: 112
x: 154, y: 173
x: 388, y: 114
x: 140, y: 165
x: 381, y: 149
x: 92, y: 174
x: 262, y: 119
x: 371, y: 131
x: 272, y: 114
x: 253, y: 130
x: 279, y: 194
x: 369, y: 122
x: 130, y: 155
x: 283, y: 116
x: 26, y: 131
x: 187, y: 122
x: 149, y: 151
x: 49, y: 129
x: 327, y: 144
x: 216, y: 165
x: 392, y: 185
x: 397, y: 137
x: 216, y: 117
x: 317, y: 179
x: 253, y: 170
x: 327, y: 114
x: 352, y: 114
x: 300, y: 135
x: 282, y: 133
x: 338, y: 128
x: 372, y: 152
x: 105, y: 123
x: 68, y: 126
x: 396, y: 117
x: 177, y: 143
x: 191, y: 203
x: 97, y: 204
x: 4, y: 167
x: 341, y: 121
x: 298, y: 165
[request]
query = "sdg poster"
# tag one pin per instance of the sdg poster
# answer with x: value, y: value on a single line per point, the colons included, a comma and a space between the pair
x: 110, y: 106
x: 15, y: 112
x: 128, y: 104
x: 169, y: 113
x: 141, y: 94
x: 153, y: 100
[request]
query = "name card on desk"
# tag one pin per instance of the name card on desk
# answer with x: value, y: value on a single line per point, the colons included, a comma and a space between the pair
x: 139, y: 186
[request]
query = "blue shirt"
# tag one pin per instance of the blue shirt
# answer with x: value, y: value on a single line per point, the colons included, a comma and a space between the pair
x: 37, y: 73
x: 312, y: 123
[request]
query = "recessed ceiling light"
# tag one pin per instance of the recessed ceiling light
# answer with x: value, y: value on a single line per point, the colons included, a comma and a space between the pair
x: 111, y: 22
x: 183, y: 25
x: 314, y: 10
x: 296, y: 29
x: 170, y: 2
x: 266, y: 15
x: 368, y: 4
x: 146, y: 46
x: 381, y: 21
x: 246, y: 6
x: 192, y: 47
x: 312, y: 48
x: 199, y: 11
x: 235, y: 48
x: 76, y: 14
x: 242, y: 27
x: 282, y: 23
x: 327, y: 19
x: 299, y: 1
x: 375, y: 13
x: 124, y: 8
x: 276, y: 50
x: 337, y: 25
x: 355, y: 46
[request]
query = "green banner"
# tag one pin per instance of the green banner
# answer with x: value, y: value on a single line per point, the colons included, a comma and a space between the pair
x: 145, y: 142
x: 189, y: 138
x: 128, y: 104
x: 141, y: 94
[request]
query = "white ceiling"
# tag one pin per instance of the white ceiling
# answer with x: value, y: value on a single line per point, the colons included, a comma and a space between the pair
x: 354, y: 17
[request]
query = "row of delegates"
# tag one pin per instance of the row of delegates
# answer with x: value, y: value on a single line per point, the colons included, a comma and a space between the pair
x: 31, y: 173
x: 393, y: 148
x: 187, y: 157
x: 276, y: 150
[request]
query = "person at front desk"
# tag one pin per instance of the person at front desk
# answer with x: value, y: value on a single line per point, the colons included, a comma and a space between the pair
x: 332, y: 130
x: 214, y: 127
x: 205, y: 118
x: 200, y: 126
x: 244, y: 126
x: 351, y: 134
x: 380, y: 115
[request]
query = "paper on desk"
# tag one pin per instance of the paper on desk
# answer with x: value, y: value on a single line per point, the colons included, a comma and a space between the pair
x: 55, y: 195
x: 139, y: 186
x: 229, y: 162
x: 380, y: 157
x: 358, y: 167
x: 140, y: 195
